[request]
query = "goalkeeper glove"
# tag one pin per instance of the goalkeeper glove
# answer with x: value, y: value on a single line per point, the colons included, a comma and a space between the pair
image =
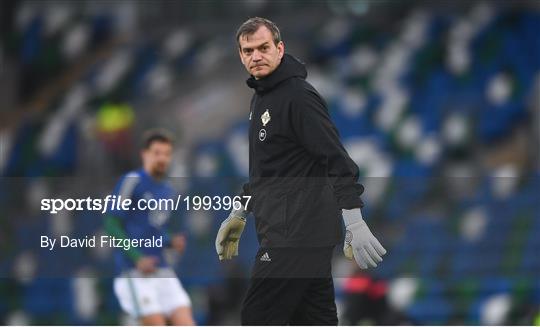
x: 360, y: 243
x: 229, y: 234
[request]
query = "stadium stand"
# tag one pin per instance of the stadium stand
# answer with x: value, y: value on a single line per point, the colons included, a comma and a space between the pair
x: 439, y: 109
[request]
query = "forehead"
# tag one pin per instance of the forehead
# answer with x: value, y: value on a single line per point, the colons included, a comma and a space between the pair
x: 261, y: 35
x: 158, y: 145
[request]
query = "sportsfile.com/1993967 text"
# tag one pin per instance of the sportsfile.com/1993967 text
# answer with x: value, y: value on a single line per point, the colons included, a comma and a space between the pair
x: 118, y: 203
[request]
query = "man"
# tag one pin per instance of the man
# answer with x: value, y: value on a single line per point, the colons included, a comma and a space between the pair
x: 147, y: 288
x: 301, y: 179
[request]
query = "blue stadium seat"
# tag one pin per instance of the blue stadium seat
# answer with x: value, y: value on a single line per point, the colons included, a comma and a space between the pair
x: 432, y: 309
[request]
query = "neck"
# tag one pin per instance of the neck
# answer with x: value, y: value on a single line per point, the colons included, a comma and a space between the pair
x: 152, y: 174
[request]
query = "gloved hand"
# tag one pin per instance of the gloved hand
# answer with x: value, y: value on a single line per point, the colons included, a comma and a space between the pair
x: 229, y: 234
x: 360, y: 242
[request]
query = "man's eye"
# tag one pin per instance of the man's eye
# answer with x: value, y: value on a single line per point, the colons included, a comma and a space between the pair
x: 248, y: 51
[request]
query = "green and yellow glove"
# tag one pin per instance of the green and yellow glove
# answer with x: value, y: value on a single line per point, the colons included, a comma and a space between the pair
x: 229, y: 234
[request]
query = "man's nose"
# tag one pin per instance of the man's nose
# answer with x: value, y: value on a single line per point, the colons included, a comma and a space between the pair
x: 256, y: 55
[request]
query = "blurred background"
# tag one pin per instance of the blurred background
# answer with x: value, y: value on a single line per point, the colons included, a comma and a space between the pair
x: 438, y: 103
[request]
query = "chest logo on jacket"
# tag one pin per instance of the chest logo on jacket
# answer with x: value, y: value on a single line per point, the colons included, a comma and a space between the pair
x: 262, y: 134
x: 265, y: 118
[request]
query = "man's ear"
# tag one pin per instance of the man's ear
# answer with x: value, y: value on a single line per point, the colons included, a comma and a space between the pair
x: 281, y: 49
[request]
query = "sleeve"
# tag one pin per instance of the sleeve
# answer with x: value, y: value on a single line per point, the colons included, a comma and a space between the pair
x: 114, y: 227
x: 126, y: 190
x: 167, y: 237
x: 246, y: 192
x: 114, y: 221
x: 317, y: 133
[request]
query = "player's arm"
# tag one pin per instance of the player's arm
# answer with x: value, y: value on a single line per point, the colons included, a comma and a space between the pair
x: 114, y: 220
x: 114, y: 223
x: 318, y: 134
x: 115, y: 228
x: 173, y: 237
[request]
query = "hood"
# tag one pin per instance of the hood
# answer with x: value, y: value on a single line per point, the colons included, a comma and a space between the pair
x: 288, y: 68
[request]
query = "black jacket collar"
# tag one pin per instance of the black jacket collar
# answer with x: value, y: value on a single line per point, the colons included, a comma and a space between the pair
x: 288, y: 68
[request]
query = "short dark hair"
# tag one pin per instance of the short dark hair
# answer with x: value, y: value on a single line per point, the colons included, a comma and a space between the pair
x: 156, y: 135
x: 251, y: 26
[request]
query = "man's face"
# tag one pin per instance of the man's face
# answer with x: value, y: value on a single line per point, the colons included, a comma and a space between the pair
x: 157, y: 158
x: 259, y: 54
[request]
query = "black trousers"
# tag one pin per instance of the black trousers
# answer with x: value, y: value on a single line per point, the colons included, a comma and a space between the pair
x: 291, y: 286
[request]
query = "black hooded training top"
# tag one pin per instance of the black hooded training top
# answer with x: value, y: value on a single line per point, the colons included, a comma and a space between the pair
x: 300, y: 176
